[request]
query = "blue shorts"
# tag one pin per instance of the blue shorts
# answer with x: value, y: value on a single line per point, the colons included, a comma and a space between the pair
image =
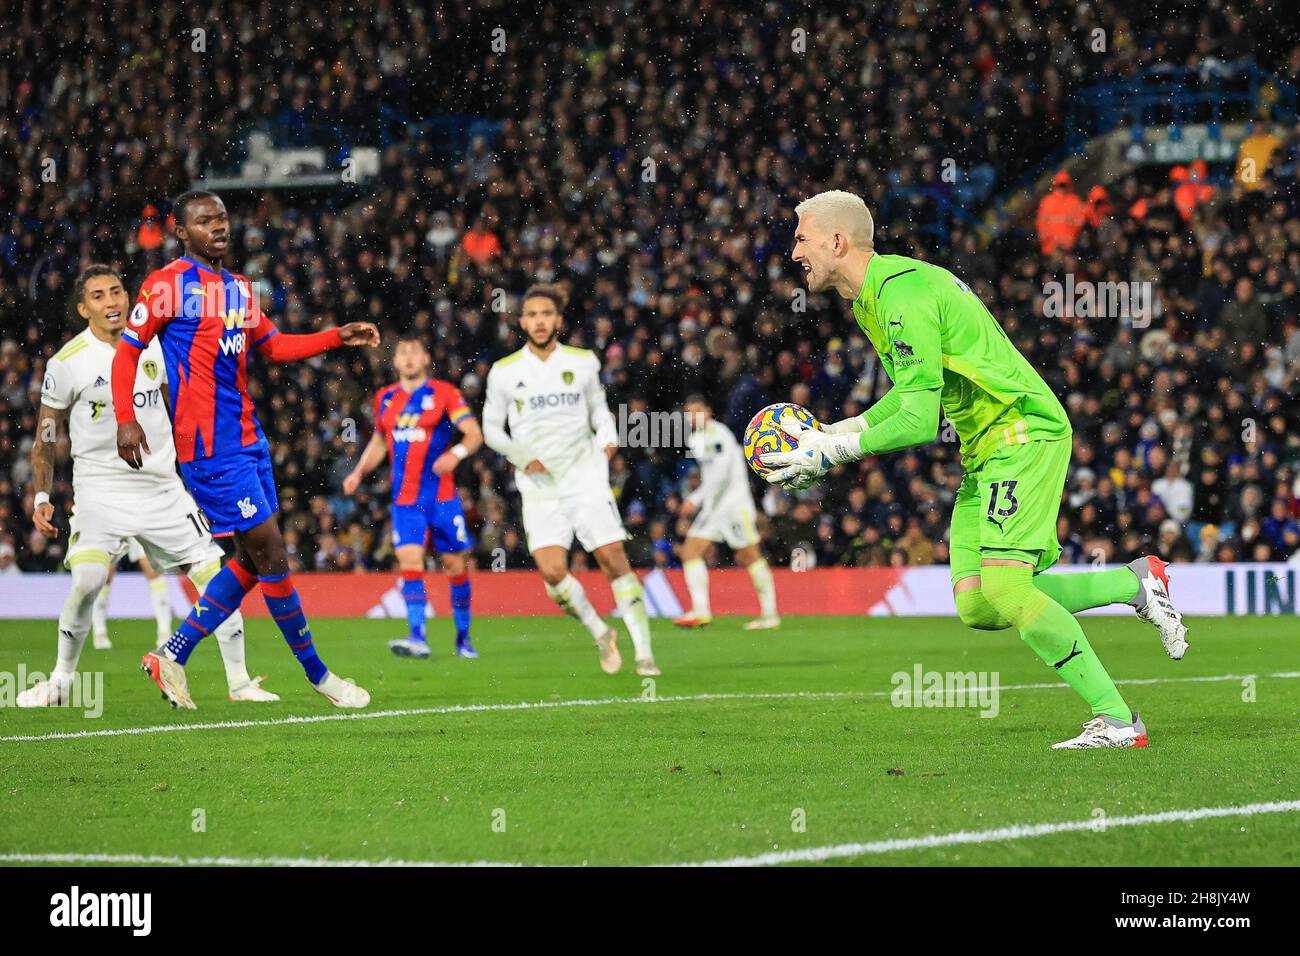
x: 444, y: 521
x: 236, y: 490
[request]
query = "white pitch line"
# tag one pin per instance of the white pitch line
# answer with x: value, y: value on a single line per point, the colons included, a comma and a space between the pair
x: 560, y: 704
x: 421, y: 712
x: 1019, y: 831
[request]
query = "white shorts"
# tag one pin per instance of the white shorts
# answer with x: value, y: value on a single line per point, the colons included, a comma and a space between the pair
x: 593, y: 517
x: 736, y: 526
x: 167, y: 525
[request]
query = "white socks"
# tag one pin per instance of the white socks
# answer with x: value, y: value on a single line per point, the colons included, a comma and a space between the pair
x: 697, y: 584
x: 162, y: 606
x: 88, y: 579
x: 696, y: 573
x: 230, y: 640
x: 631, y: 601
x: 99, y: 610
x: 761, y: 574
x: 229, y: 633
x: 570, y: 595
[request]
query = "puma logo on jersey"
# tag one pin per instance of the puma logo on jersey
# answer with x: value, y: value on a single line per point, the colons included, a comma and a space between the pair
x: 246, y: 508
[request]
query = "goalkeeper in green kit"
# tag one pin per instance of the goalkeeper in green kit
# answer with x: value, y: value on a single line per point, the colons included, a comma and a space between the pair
x: 944, y: 352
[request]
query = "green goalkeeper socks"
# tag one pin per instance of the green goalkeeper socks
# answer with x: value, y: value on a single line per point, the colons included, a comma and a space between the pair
x: 1088, y: 589
x: 1054, y: 635
x: 1074, y: 592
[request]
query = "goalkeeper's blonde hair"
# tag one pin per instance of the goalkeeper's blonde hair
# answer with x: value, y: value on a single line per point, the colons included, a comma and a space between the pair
x: 841, y: 211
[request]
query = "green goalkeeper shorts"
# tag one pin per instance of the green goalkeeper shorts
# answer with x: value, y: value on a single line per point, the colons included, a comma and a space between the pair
x: 1007, y: 508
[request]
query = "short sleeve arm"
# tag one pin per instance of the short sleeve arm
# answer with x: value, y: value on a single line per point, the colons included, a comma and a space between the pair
x: 263, y: 327
x: 154, y: 307
x: 458, y: 409
x: 56, y: 388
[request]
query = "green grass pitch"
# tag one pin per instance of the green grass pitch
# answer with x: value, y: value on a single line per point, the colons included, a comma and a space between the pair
x: 742, y: 766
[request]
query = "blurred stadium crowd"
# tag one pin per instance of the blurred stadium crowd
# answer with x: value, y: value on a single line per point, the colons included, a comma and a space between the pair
x: 649, y: 157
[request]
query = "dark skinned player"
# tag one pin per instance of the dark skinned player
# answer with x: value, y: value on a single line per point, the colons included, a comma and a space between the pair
x: 208, y: 321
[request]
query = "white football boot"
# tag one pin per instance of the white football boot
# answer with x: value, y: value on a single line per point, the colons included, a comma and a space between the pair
x: 253, y: 691
x: 1154, y: 605
x: 55, y: 692
x: 100, y: 642
x: 763, y: 624
x: 342, y: 693
x: 408, y: 647
x: 646, y: 667
x: 1103, y: 731
x: 170, y: 679
x: 611, y: 661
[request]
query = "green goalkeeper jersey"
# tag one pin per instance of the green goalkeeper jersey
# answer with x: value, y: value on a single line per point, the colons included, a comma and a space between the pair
x: 931, y: 331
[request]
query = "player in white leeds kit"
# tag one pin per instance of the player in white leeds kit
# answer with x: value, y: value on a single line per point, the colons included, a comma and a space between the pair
x: 561, y: 437
x: 723, y: 506
x: 114, y: 504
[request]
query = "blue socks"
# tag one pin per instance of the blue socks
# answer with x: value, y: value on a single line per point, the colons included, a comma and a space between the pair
x: 220, y: 599
x: 460, y: 593
x: 416, y: 602
x: 282, y: 601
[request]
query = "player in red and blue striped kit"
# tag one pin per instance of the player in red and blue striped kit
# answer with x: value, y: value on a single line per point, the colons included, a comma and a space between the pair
x: 415, y: 422
x: 208, y: 320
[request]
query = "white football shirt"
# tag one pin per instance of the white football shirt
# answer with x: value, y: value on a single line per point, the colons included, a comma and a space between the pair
x: 724, y: 475
x: 78, y: 379
x: 556, y: 413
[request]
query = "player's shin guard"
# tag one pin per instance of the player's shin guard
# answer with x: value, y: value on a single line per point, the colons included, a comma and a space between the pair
x: 696, y: 573
x: 89, y: 574
x: 417, y: 602
x: 1087, y: 589
x: 282, y: 601
x: 230, y: 633
x: 220, y: 599
x: 1054, y: 635
x: 460, y: 596
x: 631, y: 601
x: 571, y: 596
x: 761, y: 574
